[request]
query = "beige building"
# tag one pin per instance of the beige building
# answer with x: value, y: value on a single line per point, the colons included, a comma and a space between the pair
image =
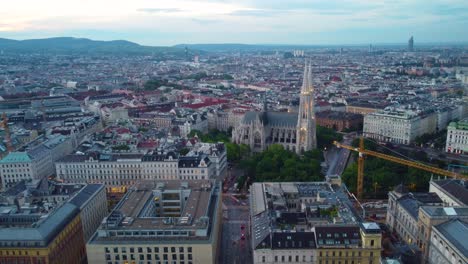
x: 348, y: 244
x: 161, y: 222
x: 402, y: 214
x: 430, y: 217
x: 413, y: 217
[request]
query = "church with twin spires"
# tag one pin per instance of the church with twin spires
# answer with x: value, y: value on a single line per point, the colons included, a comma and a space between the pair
x: 294, y: 131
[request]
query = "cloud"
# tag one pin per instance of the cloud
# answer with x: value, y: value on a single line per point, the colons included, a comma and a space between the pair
x: 159, y: 10
x: 258, y: 12
x: 205, y: 21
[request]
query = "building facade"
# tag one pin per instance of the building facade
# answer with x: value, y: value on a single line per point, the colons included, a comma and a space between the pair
x: 115, y: 170
x: 396, y: 126
x: 348, y: 244
x: 290, y: 224
x: 92, y: 202
x: 453, y: 192
x: 402, y: 214
x: 36, y: 161
x: 57, y: 239
x: 449, y: 244
x: 431, y: 216
x: 294, y: 131
x: 339, y: 121
x: 457, y: 137
x: 161, y: 222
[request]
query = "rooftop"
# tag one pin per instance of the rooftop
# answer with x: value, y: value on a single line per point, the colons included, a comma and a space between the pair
x: 163, y: 209
x: 293, y: 207
x: 458, y: 189
x: 14, y: 157
x: 455, y: 232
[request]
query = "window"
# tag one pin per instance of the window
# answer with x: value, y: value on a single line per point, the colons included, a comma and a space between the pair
x: 263, y: 258
x: 372, y: 243
x: 276, y: 258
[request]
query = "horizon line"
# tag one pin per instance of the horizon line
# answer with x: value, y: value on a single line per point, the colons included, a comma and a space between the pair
x: 256, y: 44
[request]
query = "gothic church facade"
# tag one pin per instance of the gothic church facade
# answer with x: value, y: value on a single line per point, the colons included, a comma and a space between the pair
x: 294, y: 131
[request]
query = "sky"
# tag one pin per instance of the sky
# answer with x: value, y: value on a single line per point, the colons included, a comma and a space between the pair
x: 303, y: 22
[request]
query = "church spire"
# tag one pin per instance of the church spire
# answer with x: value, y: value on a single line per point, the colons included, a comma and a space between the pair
x: 265, y: 104
x: 306, y: 134
x: 307, y: 86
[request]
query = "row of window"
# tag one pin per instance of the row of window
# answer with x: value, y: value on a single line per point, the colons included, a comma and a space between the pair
x: 164, y: 257
x: 16, y: 165
x: 148, y: 249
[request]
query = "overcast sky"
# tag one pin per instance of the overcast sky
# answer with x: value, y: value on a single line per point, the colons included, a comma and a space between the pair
x: 169, y: 22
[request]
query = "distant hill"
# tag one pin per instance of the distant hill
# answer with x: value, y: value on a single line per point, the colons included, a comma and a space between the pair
x: 68, y: 45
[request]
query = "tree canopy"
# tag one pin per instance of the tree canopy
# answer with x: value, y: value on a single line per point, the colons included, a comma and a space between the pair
x: 326, y: 136
x: 278, y: 164
x: 381, y: 176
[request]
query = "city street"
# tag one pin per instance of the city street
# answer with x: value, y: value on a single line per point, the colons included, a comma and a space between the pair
x: 337, y: 158
x: 235, y: 237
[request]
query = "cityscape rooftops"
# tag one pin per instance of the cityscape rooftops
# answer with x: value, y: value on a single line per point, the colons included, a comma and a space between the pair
x: 163, y: 210
x: 412, y: 201
x: 289, y: 207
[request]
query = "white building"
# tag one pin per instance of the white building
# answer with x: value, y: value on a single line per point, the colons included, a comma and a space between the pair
x: 452, y: 192
x: 36, y: 162
x: 398, y: 126
x: 457, y: 137
x: 448, y: 243
x: 216, y: 153
x: 110, y: 114
x: 127, y: 169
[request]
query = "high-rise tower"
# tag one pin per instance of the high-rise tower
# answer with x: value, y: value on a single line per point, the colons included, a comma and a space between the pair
x: 306, y: 138
x: 411, y: 44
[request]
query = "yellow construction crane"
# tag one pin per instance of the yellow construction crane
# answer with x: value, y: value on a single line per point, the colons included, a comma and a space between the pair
x: 362, y: 152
